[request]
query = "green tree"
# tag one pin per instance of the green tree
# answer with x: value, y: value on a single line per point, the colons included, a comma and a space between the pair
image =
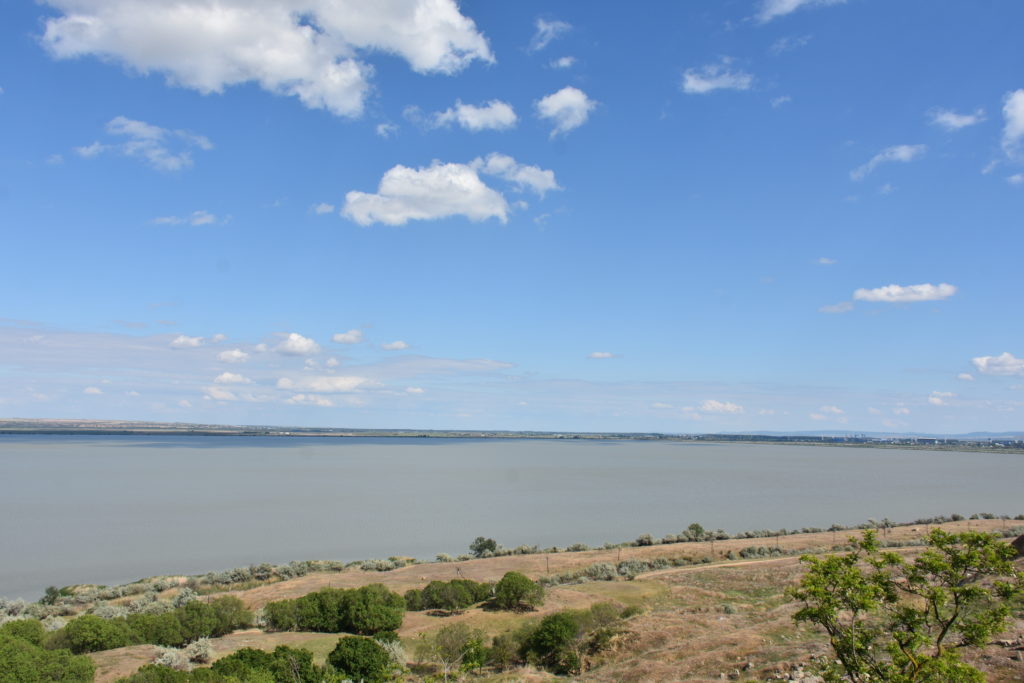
x: 517, y: 591
x: 21, y: 661
x: 448, y: 596
x: 551, y: 644
x: 372, y: 609
x: 159, y: 629
x: 361, y: 659
x: 27, y: 629
x: 453, y: 646
x: 482, y: 545
x: 89, y: 633
x: 889, y: 619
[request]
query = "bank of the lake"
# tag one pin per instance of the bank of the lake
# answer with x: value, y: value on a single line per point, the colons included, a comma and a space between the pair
x: 113, y: 509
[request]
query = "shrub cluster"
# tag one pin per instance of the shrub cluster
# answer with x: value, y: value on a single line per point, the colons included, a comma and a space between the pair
x: 195, y: 620
x: 23, y: 659
x: 367, y: 610
x: 450, y: 596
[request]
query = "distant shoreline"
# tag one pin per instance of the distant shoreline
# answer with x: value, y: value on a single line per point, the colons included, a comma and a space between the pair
x: 1003, y: 444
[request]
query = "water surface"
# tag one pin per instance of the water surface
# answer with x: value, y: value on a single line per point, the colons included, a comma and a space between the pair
x: 112, y: 509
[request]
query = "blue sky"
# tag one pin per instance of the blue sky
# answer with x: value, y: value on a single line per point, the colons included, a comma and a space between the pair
x: 696, y: 216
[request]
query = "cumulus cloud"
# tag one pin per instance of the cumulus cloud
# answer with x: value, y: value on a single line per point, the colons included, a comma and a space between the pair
x: 950, y: 120
x: 940, y: 398
x: 195, y: 218
x: 568, y: 108
x: 314, y: 50
x: 1013, y: 130
x: 92, y: 391
x: 1016, y: 179
x: 218, y: 338
x: 185, y: 342
x: 297, y: 345
x: 495, y: 115
x: 831, y: 410
x: 841, y: 307
x: 711, y: 77
x: 233, y: 356
x: 965, y: 376
x: 328, y: 384
x: 386, y: 130
x: 231, y: 378
x: 398, y: 345
x: 546, y: 32
x: 219, y: 394
x: 437, y: 191
x: 310, y: 400
x: 350, y: 337
x: 1003, y: 364
x: 322, y: 208
x: 724, y: 407
x: 523, y: 176
x: 600, y: 354
x: 161, y: 148
x: 414, y: 390
x: 908, y: 294
x: 184, y: 403
x: 771, y: 9
x: 562, y: 62
x: 900, y: 153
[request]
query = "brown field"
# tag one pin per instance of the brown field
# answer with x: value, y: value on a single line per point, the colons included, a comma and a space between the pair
x: 701, y: 622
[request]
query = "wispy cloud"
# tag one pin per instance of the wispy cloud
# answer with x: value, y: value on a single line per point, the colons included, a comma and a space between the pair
x: 897, y: 153
x: 950, y: 120
x: 161, y: 148
x: 546, y: 32
x: 710, y: 77
x: 906, y: 294
x: 772, y: 9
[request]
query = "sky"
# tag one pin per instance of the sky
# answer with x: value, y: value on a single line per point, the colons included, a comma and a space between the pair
x: 679, y: 217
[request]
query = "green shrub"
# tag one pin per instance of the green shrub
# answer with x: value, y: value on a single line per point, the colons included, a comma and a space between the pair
x: 517, y: 591
x: 283, y: 664
x: 361, y: 659
x: 31, y: 630
x: 89, y: 633
x: 367, y: 610
x: 549, y: 646
x: 159, y: 629
x: 372, y: 609
x: 21, y: 661
x: 414, y: 600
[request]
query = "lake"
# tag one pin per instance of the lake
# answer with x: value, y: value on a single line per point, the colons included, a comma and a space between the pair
x: 112, y: 509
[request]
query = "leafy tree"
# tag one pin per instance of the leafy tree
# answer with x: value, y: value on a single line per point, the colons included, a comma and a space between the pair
x: 550, y: 645
x: 89, y: 633
x: 21, y: 661
x: 361, y: 659
x: 414, y: 600
x: 516, y: 591
x: 231, y: 615
x: 283, y: 664
x: 159, y: 629
x: 373, y: 608
x: 27, y: 629
x: 453, y: 647
x: 448, y: 596
x: 482, y: 545
x: 892, y: 620
x: 197, y: 619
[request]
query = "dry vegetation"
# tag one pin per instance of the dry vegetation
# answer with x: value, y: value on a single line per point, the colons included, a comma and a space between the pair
x: 700, y: 623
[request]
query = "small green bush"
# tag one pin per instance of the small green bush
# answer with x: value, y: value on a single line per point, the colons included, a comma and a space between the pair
x: 517, y: 591
x: 361, y: 659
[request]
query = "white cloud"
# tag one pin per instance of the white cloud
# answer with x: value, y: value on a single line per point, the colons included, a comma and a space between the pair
x: 184, y: 342
x: 965, y: 376
x: 503, y: 166
x: 132, y: 393
x: 661, y: 406
x: 325, y: 384
x: 901, y: 153
x: 770, y: 9
x: 950, y: 120
x: 546, y: 32
x: 1013, y: 130
x: 350, y: 337
x: 386, y: 130
x: 817, y: 416
x: 438, y: 191
x: 55, y: 159
x: 601, y: 354
x: 297, y: 345
x: 183, y: 403
x: 414, y: 390
x: 161, y: 148
x: 831, y: 410
x: 332, y: 362
x: 841, y: 307
x: 195, y: 218
x: 310, y: 400
x: 308, y: 49
x: 939, y: 398
x: 218, y: 338
x: 322, y: 208
x: 231, y: 378
x: 495, y: 115
x: 888, y: 188
x: 826, y: 261
x: 398, y: 345
x: 92, y: 391
x: 711, y: 77
x: 788, y: 43
x: 713, y: 406
x: 1003, y: 364
x: 562, y: 62
x: 901, y: 410
x: 218, y: 394
x: 233, y: 356
x: 907, y: 294
x: 568, y: 108
x: 779, y: 101
x: 1016, y: 179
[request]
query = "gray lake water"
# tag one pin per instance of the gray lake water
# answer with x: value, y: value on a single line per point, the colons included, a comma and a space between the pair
x: 114, y: 509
